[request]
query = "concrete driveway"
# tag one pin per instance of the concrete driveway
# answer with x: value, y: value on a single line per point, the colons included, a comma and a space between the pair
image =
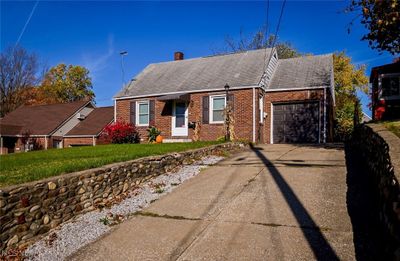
x: 273, y: 202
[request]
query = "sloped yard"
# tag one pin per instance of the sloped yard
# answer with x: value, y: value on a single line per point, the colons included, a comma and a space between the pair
x: 24, y: 167
x: 393, y: 126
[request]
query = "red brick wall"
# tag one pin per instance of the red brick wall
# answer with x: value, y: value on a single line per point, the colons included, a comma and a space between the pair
x: 67, y: 142
x: 287, y: 96
x: 242, y: 114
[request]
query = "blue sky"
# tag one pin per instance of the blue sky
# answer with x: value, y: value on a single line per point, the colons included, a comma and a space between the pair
x: 92, y: 33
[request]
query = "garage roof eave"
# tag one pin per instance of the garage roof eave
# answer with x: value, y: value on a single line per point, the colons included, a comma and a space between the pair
x: 297, y: 89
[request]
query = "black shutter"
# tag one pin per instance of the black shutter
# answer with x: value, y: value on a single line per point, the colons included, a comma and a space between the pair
x: 231, y: 101
x: 133, y: 113
x: 152, y: 111
x: 206, y: 109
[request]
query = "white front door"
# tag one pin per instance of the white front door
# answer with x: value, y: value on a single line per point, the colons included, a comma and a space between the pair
x: 180, y: 119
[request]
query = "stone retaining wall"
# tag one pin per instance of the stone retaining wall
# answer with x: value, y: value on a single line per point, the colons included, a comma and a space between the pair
x: 378, y: 152
x: 29, y: 210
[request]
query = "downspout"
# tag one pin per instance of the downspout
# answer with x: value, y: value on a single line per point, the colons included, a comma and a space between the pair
x: 324, y: 133
x: 254, y: 114
x: 45, y: 142
x: 94, y: 140
x: 1, y: 145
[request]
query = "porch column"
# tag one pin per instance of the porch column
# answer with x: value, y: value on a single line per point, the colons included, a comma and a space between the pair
x: 94, y: 141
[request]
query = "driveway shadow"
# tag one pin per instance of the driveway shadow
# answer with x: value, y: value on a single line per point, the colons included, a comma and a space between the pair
x: 362, y: 209
x: 318, y: 243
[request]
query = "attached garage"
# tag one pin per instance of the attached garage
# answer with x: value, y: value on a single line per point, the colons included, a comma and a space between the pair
x: 296, y: 122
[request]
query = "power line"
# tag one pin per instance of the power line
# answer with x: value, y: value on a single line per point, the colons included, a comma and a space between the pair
x: 266, y: 34
x: 27, y: 22
x: 276, y: 31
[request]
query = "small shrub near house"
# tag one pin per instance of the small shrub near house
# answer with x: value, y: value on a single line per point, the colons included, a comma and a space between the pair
x: 153, y: 133
x: 121, y: 132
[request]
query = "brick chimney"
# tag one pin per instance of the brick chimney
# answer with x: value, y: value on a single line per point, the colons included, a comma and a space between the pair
x: 178, y: 56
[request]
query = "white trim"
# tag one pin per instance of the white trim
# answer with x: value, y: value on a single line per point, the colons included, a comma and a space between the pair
x: 332, y: 87
x: 261, y: 108
x: 254, y: 114
x: 115, y: 110
x: 324, y: 133
x: 181, y: 131
x: 271, y: 137
x: 292, y: 102
x: 212, y: 108
x: 295, y: 89
x: 384, y: 75
x: 185, y: 92
x: 138, y: 103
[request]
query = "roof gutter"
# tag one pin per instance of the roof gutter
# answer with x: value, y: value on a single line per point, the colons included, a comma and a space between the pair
x: 296, y: 89
x: 185, y: 92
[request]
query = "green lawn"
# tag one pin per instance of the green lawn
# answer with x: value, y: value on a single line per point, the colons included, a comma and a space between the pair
x: 36, y: 165
x: 393, y: 126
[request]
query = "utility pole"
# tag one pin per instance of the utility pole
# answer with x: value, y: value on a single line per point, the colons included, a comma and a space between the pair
x: 122, y: 54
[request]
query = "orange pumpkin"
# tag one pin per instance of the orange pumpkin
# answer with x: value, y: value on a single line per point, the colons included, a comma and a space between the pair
x: 159, y: 139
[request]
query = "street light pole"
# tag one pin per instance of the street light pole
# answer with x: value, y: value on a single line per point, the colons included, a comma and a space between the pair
x: 122, y: 54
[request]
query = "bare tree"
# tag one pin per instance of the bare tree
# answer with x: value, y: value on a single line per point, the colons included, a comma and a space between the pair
x: 259, y: 40
x: 18, y: 71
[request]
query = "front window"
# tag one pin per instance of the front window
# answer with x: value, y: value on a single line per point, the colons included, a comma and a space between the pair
x: 391, y: 86
x: 142, y: 113
x: 217, y: 109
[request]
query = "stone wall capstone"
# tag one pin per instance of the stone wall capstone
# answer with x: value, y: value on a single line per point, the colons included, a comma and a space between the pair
x: 378, y: 150
x: 27, y: 211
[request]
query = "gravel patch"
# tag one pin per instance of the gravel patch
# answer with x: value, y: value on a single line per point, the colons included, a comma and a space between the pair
x: 71, y: 236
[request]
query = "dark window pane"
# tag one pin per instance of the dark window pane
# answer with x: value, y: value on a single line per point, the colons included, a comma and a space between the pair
x: 390, y: 86
x: 180, y: 121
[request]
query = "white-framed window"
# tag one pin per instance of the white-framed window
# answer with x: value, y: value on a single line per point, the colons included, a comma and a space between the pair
x: 142, y: 113
x: 217, y: 106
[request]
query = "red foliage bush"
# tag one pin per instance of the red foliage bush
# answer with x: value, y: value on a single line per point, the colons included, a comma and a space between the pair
x: 120, y: 132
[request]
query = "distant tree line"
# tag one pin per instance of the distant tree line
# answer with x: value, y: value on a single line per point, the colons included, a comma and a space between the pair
x: 22, y: 82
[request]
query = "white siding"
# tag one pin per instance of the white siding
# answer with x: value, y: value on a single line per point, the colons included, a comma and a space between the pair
x: 269, y: 72
x: 67, y: 126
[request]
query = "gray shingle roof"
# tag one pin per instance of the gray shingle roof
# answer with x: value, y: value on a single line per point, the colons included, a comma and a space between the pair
x: 94, y: 123
x: 303, y: 72
x: 236, y: 69
x: 213, y: 72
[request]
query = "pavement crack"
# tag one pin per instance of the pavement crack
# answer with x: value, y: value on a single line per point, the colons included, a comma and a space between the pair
x: 151, y: 214
x: 293, y: 226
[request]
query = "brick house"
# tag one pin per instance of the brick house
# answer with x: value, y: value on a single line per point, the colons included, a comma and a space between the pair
x: 53, y: 126
x: 385, y: 81
x: 280, y: 101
